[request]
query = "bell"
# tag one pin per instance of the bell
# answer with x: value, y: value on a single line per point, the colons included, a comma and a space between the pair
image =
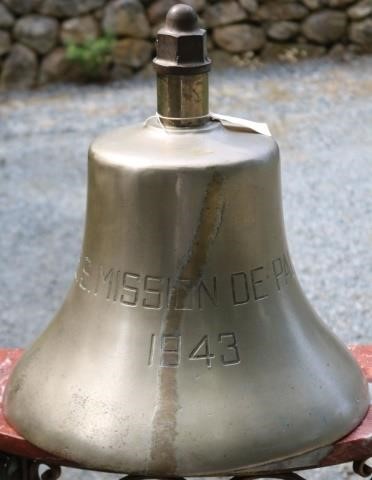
x: 185, y: 345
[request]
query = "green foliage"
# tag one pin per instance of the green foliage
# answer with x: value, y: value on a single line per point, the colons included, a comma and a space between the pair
x: 91, y: 55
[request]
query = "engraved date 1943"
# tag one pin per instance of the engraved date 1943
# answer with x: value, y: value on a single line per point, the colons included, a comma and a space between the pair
x: 168, y: 349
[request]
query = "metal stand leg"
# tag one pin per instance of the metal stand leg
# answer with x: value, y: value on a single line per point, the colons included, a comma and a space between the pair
x: 362, y: 468
x: 19, y: 468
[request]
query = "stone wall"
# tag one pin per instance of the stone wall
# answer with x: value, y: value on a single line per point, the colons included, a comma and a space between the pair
x: 34, y: 33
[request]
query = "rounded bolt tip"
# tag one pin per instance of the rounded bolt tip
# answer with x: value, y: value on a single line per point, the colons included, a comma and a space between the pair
x: 182, y: 18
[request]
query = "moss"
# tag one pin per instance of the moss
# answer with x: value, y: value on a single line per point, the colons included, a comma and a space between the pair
x: 92, y: 56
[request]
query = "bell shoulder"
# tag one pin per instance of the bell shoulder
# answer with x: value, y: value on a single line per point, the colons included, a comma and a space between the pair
x: 145, y: 146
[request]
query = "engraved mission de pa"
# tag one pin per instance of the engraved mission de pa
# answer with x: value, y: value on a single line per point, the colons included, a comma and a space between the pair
x: 157, y: 292
x: 185, y: 345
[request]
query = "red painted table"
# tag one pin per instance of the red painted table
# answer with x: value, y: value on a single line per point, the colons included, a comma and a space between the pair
x: 356, y: 447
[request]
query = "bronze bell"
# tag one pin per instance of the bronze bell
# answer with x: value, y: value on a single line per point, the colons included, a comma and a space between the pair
x: 185, y: 345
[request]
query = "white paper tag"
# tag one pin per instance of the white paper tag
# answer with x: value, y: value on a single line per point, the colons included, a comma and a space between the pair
x: 241, y: 123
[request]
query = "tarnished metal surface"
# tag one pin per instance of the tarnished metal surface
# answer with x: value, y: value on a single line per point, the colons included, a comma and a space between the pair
x: 181, y: 44
x: 207, y: 348
x: 353, y: 447
x: 182, y: 64
x: 185, y: 345
x: 183, y: 99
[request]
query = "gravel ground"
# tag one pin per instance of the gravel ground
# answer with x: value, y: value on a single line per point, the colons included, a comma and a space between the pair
x: 319, y: 111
